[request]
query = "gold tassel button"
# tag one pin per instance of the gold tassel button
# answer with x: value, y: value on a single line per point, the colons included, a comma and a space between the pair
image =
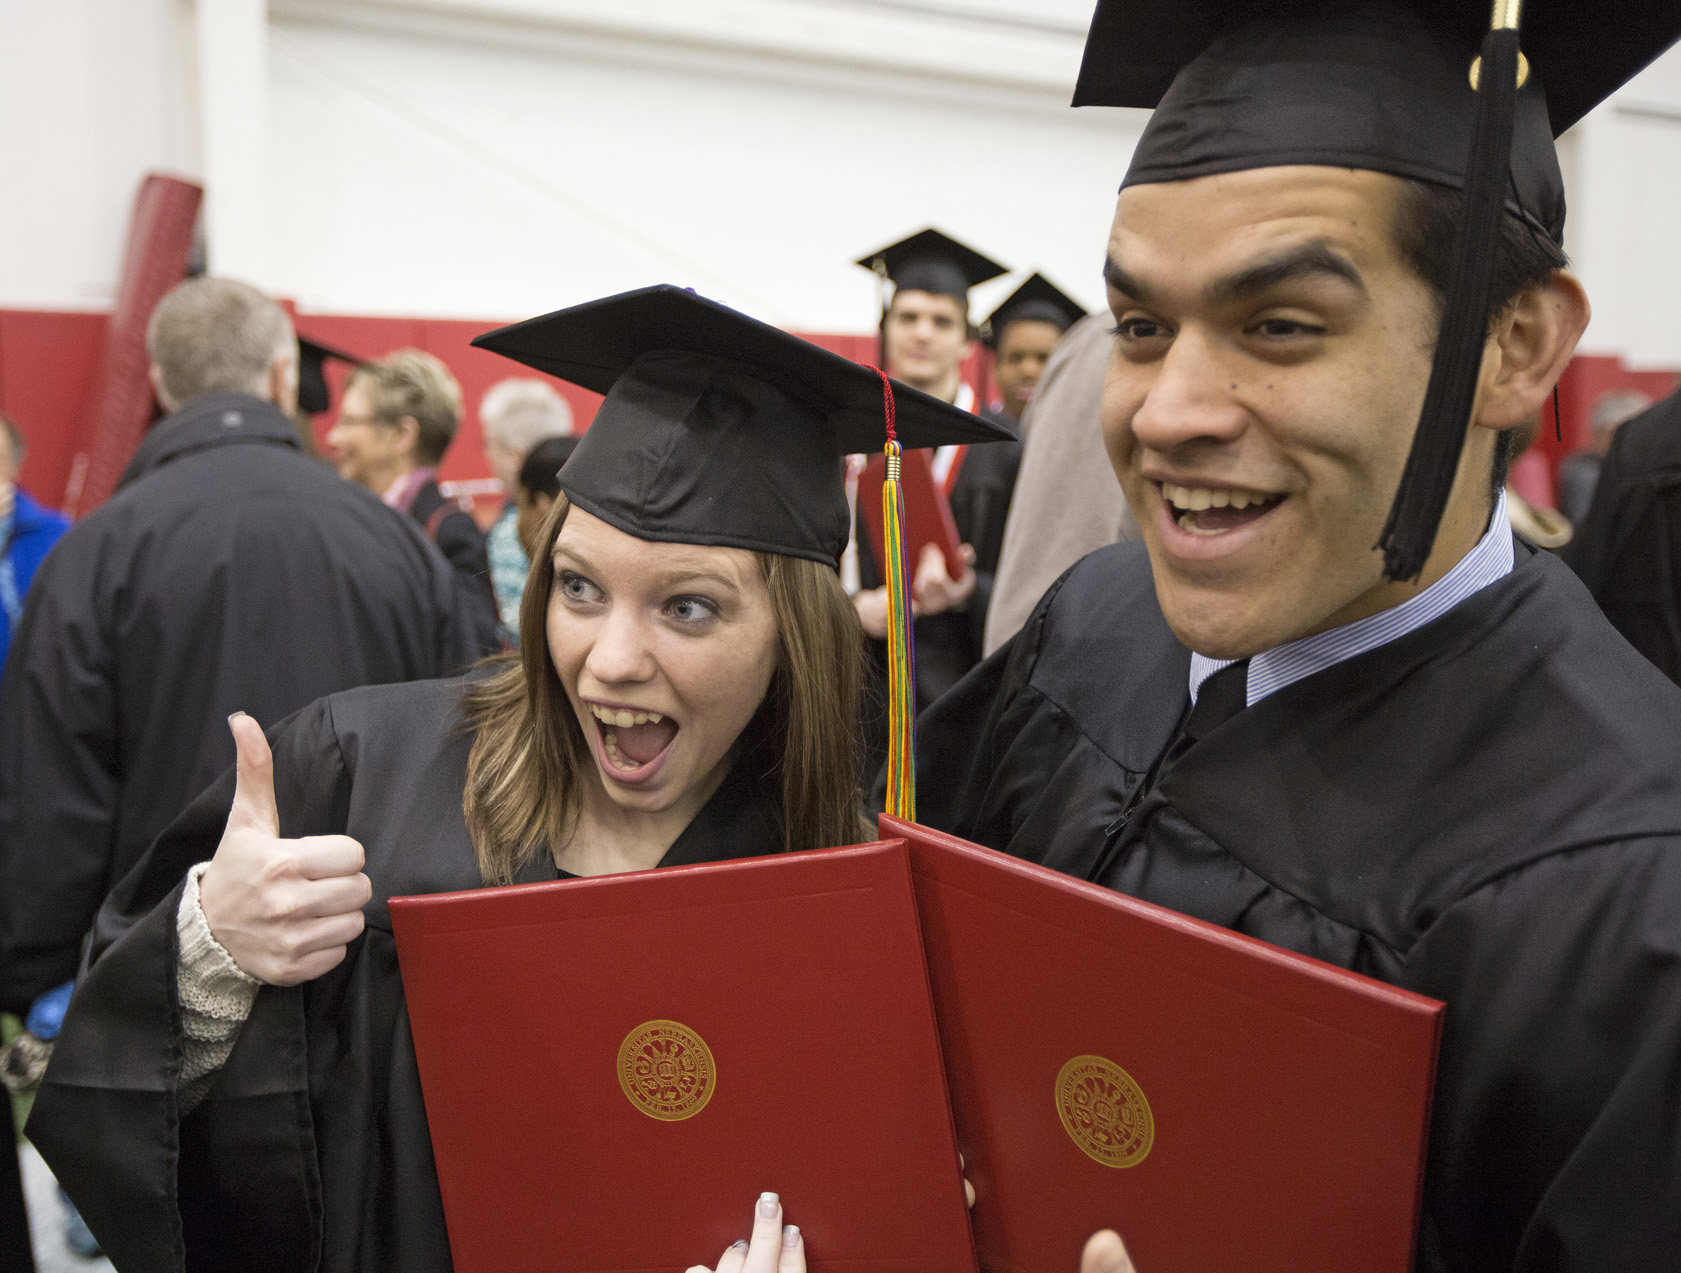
x: 1477, y: 71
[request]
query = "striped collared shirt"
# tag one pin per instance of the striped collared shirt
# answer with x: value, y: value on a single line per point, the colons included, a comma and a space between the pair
x: 1271, y: 670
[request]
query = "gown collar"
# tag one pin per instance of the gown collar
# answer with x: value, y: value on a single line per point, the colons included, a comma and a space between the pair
x: 1271, y: 670
x: 1512, y: 727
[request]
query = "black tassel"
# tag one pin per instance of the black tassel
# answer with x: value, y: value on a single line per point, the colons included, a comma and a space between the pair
x: 1410, y: 533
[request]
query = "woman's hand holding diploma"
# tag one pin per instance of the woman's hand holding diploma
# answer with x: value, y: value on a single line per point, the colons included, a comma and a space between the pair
x: 285, y: 910
x: 773, y: 1248
x: 1105, y: 1253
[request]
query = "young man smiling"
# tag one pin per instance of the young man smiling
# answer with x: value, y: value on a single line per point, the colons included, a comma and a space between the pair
x: 1449, y: 773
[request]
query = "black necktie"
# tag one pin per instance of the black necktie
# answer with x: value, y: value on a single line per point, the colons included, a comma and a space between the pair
x: 1221, y: 697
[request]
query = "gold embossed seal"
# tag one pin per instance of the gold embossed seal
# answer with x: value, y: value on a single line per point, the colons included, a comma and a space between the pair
x: 667, y: 1070
x: 1104, y: 1111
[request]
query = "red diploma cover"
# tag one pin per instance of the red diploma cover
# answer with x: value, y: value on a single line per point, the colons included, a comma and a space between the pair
x: 616, y: 1068
x: 928, y: 517
x: 1222, y: 1103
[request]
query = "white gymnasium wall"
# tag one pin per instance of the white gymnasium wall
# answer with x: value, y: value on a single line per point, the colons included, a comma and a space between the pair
x: 1623, y: 228
x: 495, y: 158
x: 93, y: 95
x: 483, y: 166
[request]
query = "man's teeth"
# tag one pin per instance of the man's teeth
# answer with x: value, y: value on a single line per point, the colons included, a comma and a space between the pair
x: 623, y: 719
x: 1191, y: 499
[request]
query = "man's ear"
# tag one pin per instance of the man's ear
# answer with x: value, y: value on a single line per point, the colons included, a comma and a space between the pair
x: 283, y: 380
x: 155, y: 374
x: 1530, y: 347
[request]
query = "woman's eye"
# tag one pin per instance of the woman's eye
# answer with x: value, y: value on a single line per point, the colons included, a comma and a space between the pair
x: 576, y: 588
x: 692, y: 611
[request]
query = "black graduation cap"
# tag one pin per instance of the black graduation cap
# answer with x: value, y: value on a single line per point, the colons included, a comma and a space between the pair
x: 1036, y: 300
x: 717, y: 428
x: 930, y: 261
x: 1241, y: 84
x: 312, y: 383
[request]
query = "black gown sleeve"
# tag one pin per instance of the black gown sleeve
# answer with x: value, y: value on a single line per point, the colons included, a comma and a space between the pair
x: 235, y: 1184
x: 1556, y: 1139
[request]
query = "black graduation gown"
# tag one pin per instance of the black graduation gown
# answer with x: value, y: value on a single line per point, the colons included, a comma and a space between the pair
x: 462, y: 543
x: 1628, y: 550
x: 1486, y: 810
x: 230, y: 572
x: 311, y: 1148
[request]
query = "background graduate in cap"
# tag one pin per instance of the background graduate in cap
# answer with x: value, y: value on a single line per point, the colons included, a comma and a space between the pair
x: 687, y: 691
x: 1335, y: 704
x: 924, y: 330
x: 925, y: 337
x: 1021, y: 333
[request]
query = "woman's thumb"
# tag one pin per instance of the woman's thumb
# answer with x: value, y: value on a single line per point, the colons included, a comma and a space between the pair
x: 253, y: 795
x: 1105, y: 1253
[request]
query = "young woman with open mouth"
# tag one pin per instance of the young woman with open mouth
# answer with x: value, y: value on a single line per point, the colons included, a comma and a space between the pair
x: 687, y: 691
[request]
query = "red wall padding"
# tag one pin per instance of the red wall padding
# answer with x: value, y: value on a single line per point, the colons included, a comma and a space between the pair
x: 48, y: 362
x: 1587, y: 379
x: 120, y: 406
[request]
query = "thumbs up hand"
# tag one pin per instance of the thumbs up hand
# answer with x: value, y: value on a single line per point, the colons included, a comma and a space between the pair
x: 284, y: 909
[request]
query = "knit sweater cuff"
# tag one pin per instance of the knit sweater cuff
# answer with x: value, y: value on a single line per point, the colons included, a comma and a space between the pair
x: 216, y: 996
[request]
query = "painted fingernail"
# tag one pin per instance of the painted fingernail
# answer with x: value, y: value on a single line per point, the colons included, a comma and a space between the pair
x: 769, y: 1205
x: 235, y: 717
x: 790, y: 1236
x: 740, y: 1244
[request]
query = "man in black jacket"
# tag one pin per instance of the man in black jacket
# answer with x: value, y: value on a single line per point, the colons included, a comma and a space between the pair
x: 1628, y: 549
x: 229, y: 572
x: 396, y: 420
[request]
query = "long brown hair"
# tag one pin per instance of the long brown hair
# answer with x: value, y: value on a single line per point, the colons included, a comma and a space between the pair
x: 529, y: 755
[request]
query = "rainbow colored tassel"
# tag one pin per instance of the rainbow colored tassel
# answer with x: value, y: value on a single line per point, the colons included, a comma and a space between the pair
x: 901, y: 651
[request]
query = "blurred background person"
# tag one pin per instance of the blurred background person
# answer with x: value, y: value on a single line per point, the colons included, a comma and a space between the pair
x: 1628, y: 548
x: 925, y: 338
x: 1578, y: 474
x: 514, y: 416
x: 1067, y: 500
x: 396, y: 421
x: 536, y: 488
x: 1540, y: 524
x: 229, y: 572
x: 1021, y: 333
x: 27, y: 532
